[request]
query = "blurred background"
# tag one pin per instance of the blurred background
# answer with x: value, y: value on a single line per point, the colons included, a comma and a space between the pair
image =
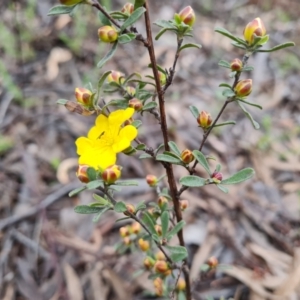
x: 50, y: 252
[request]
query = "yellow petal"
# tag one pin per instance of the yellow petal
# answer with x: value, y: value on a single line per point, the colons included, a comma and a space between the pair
x: 83, y: 144
x: 120, y: 116
x: 129, y: 131
x: 100, y: 127
x: 121, y: 144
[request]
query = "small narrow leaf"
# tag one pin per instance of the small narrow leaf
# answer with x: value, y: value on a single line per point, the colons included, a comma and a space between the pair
x: 120, y: 207
x: 169, y: 158
x: 85, y: 209
x: 192, y: 181
x: 140, y: 206
x: 250, y: 103
x: 60, y: 10
x: 224, y: 64
x: 147, y: 219
x: 126, y: 183
x: 225, y: 85
x: 126, y: 38
x: 248, y: 69
x: 177, y: 253
x: 145, y: 155
x: 249, y: 116
x: 138, y: 3
x: 100, y: 200
x: 137, y: 123
x: 103, y: 19
x: 238, y: 45
x: 101, y: 81
x: 133, y: 18
x: 225, y: 123
x: 140, y: 147
x: 190, y: 45
x: 150, y: 106
x: 228, y: 34
x: 218, y: 168
x: 175, y: 230
x: 194, y: 110
x: 94, y: 184
x: 62, y: 101
x: 164, y: 223
x: 222, y: 188
x: 165, y: 24
x: 174, y: 148
x: 228, y: 93
x: 77, y: 191
x: 278, y: 47
x: 160, y: 33
x: 202, y: 160
x: 100, y: 213
x: 108, y: 56
x: 240, y: 176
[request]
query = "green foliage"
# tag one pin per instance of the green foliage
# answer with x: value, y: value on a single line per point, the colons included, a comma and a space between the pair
x: 133, y: 18
x: 61, y: 9
x: 108, y: 56
x: 202, y: 160
x: 192, y: 181
x: 177, y: 253
x: 239, y: 177
x: 120, y: 207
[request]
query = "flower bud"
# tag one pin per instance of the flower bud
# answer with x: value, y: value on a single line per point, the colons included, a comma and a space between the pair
x: 162, y: 78
x: 243, y: 88
x: 130, y: 209
x: 151, y: 180
x: 130, y: 90
x: 187, y: 156
x: 84, y: 96
x: 160, y: 256
x: 144, y: 245
x: 158, y: 230
x: 162, y: 201
x: 236, y: 65
x: 158, y: 286
x: 256, y: 27
x: 217, y: 177
x: 111, y: 174
x: 181, y: 285
x: 124, y: 231
x: 187, y: 16
x: 161, y: 266
x: 116, y: 76
x: 127, y: 240
x: 82, y: 173
x: 204, y: 119
x: 136, y: 104
x: 135, y: 228
x: 107, y: 34
x: 128, y: 9
x: 149, y: 262
x: 183, y: 204
x: 70, y: 2
x: 213, y: 262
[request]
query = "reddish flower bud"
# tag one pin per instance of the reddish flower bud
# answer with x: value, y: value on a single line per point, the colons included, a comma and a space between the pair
x: 162, y: 78
x: 149, y: 262
x: 107, y: 34
x: 181, y: 285
x: 187, y: 16
x: 236, y: 65
x: 243, y: 88
x: 111, y: 174
x: 187, y: 156
x: 158, y: 230
x: 144, y: 245
x: 158, y: 286
x: 130, y: 209
x: 160, y: 256
x: 213, y: 262
x: 128, y: 9
x: 217, y: 177
x: 151, y: 180
x: 136, y: 104
x: 127, y: 240
x: 161, y: 266
x: 130, y: 90
x: 204, y: 119
x: 184, y: 204
x: 84, y: 96
x: 82, y: 173
x: 162, y: 201
x: 116, y: 76
x: 124, y: 231
x: 256, y: 27
x: 135, y: 228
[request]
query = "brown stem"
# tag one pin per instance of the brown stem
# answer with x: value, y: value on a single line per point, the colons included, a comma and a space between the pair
x: 164, y: 128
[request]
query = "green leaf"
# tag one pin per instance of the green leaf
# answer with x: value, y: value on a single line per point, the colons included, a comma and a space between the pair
x: 103, y: 19
x: 249, y: 103
x: 249, y: 116
x: 126, y: 38
x: 202, y: 160
x: 192, y: 181
x: 62, y: 101
x: 140, y: 206
x: 140, y: 147
x: 222, y: 188
x: 164, y: 223
x: 228, y: 93
x: 60, y: 10
x: 126, y: 183
x: 177, y: 253
x: 194, y: 110
x: 174, y: 148
x: 168, y: 158
x: 175, y: 229
x: 123, y: 219
x: 161, y: 69
x: 165, y: 24
x: 240, y: 176
x: 100, y: 213
x: 101, y: 81
x: 248, y: 69
x: 138, y: 3
x: 225, y: 123
x: 278, y: 47
x: 145, y: 155
x: 120, y: 207
x: 228, y: 34
x: 85, y: 209
x: 150, y: 105
x: 94, y: 184
x: 224, y: 64
x: 148, y: 221
x: 225, y: 85
x: 190, y: 45
x: 218, y: 168
x: 77, y: 191
x: 108, y: 56
x: 133, y: 18
x: 162, y: 145
x: 120, y: 103
x: 137, y: 123
x: 238, y: 45
x: 160, y: 33
x: 100, y: 200
x: 91, y: 173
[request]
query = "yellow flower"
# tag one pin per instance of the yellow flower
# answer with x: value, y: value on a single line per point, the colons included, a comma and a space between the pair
x: 107, y: 138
